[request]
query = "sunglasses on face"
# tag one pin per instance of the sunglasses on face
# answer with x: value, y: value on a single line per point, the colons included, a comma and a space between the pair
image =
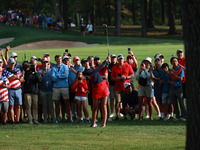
x: 129, y: 58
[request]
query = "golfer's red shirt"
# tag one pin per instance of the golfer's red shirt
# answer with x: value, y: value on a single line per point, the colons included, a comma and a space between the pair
x: 125, y: 70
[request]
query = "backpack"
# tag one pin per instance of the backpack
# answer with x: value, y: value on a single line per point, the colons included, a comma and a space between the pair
x: 142, y: 81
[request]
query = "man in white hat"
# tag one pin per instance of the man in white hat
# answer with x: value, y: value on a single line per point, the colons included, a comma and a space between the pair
x: 15, y: 78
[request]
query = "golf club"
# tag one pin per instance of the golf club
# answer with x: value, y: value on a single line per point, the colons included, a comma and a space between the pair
x: 106, y: 29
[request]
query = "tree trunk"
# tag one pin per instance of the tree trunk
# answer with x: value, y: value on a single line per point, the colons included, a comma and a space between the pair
x: 144, y: 17
x: 150, y: 19
x: 172, y: 29
x: 35, y: 7
x: 191, y: 34
x: 108, y: 13
x: 163, y: 12
x: 57, y: 10
x: 133, y: 12
x: 117, y: 17
x: 65, y: 12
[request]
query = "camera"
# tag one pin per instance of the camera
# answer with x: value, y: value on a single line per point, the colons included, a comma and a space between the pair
x: 129, y: 49
x: 79, y: 79
x: 119, y: 75
x: 28, y: 67
x: 66, y: 50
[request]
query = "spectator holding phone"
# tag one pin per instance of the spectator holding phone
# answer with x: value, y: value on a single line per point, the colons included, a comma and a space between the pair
x: 144, y: 76
x: 80, y: 88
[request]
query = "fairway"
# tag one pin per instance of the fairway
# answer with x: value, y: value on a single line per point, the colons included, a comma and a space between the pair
x: 122, y: 134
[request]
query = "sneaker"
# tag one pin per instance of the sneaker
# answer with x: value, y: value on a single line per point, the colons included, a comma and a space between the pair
x: 182, y: 119
x: 4, y: 123
x: 81, y: 121
x: 93, y: 125
x: 165, y: 118
x: 121, y: 115
x: 147, y: 116
x: 112, y: 115
x: 71, y: 121
x: 159, y: 115
x: 109, y: 119
x: 56, y: 121
x: 140, y: 119
x: 36, y: 122
x: 102, y: 126
x: 30, y: 122
x: 117, y: 118
x: 87, y: 120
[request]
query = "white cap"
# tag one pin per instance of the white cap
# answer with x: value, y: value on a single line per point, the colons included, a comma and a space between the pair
x: 33, y: 57
x: 13, y: 54
x: 148, y: 59
x: 65, y: 57
x: 120, y: 56
x: 126, y: 84
x: 113, y: 55
x: 1, y: 60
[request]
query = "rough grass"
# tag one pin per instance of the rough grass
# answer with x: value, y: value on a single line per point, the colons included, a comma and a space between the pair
x: 122, y: 134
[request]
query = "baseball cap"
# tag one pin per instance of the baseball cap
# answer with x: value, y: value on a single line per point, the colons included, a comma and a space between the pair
x: 179, y: 50
x: 113, y: 55
x: 148, y: 59
x: 81, y: 18
x: 84, y: 60
x: 33, y: 57
x: 129, y: 56
x: 1, y: 60
x: 96, y: 57
x: 76, y: 58
x: 161, y: 56
x: 65, y: 57
x: 13, y: 54
x: 44, y: 60
x: 156, y: 58
x: 120, y: 56
x: 127, y: 84
x: 11, y: 60
x: 46, y: 54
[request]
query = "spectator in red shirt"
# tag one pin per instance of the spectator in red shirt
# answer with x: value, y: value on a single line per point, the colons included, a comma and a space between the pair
x: 181, y: 61
x: 120, y: 73
x: 80, y: 88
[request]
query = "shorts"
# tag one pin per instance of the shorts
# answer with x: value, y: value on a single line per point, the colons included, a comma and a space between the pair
x: 57, y: 92
x: 118, y: 96
x: 80, y: 98
x: 4, y: 106
x: 112, y: 92
x: 165, y: 99
x: 145, y: 91
x: 153, y: 92
x: 15, y: 96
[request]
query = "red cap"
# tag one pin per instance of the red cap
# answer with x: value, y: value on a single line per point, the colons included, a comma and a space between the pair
x: 76, y: 58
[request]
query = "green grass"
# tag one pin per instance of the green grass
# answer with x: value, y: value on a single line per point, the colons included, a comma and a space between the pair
x: 122, y: 134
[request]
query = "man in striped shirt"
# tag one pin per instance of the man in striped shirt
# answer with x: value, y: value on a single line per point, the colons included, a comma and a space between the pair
x: 15, y: 78
x: 4, y: 101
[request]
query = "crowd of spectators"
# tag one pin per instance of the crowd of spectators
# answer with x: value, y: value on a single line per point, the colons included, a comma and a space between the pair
x: 48, y: 92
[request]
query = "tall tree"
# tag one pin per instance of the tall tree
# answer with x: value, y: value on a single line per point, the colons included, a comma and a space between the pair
x: 163, y: 12
x: 57, y: 10
x: 171, y: 9
x: 65, y: 12
x: 144, y: 17
x: 117, y: 17
x: 191, y: 34
x: 150, y: 19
